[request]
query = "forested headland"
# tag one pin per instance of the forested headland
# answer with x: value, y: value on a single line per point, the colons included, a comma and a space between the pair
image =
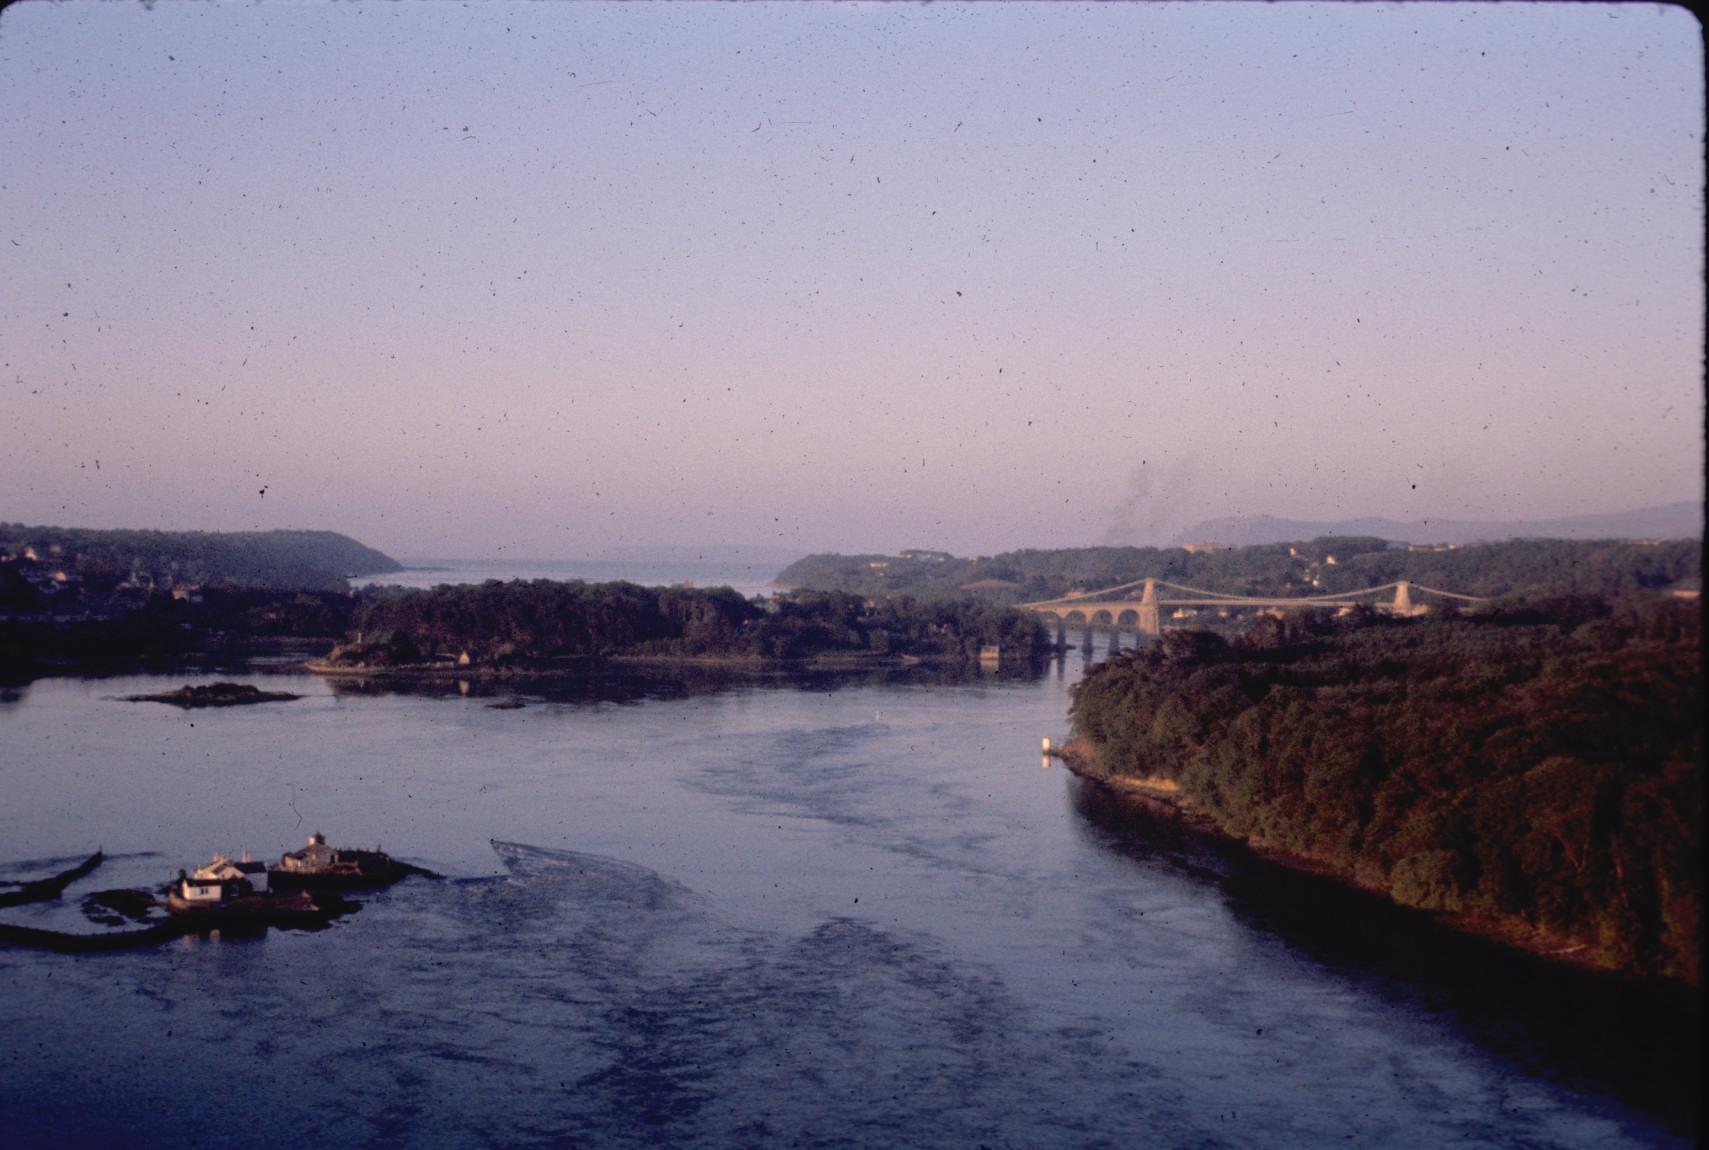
x: 1320, y: 566
x: 73, y: 596
x: 528, y: 624
x: 1534, y: 768
x: 273, y: 560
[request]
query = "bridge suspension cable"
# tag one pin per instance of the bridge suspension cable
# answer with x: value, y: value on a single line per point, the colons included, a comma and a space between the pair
x: 1121, y: 587
x: 1094, y: 599
x: 1451, y: 594
x: 1338, y: 597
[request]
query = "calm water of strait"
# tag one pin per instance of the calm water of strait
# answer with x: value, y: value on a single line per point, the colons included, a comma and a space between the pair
x: 830, y: 912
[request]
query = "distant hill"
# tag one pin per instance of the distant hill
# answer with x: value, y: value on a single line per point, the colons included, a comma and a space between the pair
x: 1327, y: 564
x: 1683, y: 520
x: 270, y: 559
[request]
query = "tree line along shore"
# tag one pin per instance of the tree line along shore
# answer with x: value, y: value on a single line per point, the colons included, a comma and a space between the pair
x: 1533, y: 769
x: 1534, y: 766
x: 521, y: 625
x: 75, y: 597
x: 1323, y: 566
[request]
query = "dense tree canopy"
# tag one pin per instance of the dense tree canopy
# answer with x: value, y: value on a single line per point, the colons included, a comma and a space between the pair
x: 318, y: 560
x: 1318, y: 566
x: 518, y: 622
x: 1538, y: 763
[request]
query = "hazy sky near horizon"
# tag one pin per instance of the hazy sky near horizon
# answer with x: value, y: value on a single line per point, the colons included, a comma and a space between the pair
x: 557, y: 280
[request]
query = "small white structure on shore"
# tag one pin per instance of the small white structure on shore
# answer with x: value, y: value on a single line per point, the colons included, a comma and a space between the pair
x: 200, y: 891
x: 246, y: 869
x: 317, y: 856
x: 223, y: 879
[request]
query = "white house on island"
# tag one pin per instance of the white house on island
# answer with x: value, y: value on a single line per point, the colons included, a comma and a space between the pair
x: 223, y: 879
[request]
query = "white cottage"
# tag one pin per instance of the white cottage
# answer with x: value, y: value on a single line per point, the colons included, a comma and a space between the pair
x: 223, y: 879
x: 195, y: 890
x: 245, y: 870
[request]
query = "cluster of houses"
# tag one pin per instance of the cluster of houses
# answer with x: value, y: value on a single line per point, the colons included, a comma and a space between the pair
x: 225, y: 879
x: 48, y: 577
x: 179, y: 589
x: 916, y: 555
x: 52, y: 577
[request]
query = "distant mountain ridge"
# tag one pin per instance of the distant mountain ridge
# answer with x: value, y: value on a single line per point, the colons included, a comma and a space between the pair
x: 1682, y: 520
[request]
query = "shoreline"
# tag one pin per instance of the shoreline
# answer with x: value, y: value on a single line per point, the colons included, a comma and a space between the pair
x: 1517, y: 936
x: 572, y: 664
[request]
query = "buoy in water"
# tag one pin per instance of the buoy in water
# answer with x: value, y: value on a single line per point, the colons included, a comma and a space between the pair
x: 1047, y: 744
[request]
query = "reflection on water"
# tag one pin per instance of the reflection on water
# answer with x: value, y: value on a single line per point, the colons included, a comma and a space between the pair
x: 1641, y: 1038
x: 838, y: 910
x: 629, y: 683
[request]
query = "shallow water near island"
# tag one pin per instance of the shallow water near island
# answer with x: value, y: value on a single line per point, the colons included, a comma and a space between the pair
x: 715, y: 909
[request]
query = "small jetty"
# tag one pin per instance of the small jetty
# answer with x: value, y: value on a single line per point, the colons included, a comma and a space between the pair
x: 40, y: 890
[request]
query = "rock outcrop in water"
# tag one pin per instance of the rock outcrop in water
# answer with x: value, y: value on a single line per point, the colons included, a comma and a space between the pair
x: 215, y: 695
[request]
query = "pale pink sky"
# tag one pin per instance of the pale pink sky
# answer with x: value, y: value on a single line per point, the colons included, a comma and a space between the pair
x: 560, y: 279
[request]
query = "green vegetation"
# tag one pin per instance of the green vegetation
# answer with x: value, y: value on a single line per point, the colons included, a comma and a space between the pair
x: 521, y: 623
x: 1489, y: 569
x: 70, y: 595
x: 294, y: 560
x: 1538, y: 764
x: 146, y: 626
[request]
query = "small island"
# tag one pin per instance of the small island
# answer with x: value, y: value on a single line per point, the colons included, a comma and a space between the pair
x: 542, y: 626
x: 215, y: 695
x: 304, y: 890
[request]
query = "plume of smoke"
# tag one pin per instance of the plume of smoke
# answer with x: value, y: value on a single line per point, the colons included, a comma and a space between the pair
x: 1154, y: 503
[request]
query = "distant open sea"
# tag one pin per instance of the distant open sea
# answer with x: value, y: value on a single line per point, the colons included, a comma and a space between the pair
x: 747, y: 578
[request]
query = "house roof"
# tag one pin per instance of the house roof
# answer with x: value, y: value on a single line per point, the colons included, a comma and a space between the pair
x: 315, y: 849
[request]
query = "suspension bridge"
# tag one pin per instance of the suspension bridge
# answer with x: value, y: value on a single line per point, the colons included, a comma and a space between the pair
x: 1116, y: 607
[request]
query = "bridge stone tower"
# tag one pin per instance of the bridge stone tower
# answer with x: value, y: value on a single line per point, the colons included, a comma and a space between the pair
x: 1403, y: 598
x: 1150, y: 622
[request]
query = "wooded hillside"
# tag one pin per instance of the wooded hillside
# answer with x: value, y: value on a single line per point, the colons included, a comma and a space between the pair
x: 1317, y: 566
x: 1540, y: 765
x: 278, y: 560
